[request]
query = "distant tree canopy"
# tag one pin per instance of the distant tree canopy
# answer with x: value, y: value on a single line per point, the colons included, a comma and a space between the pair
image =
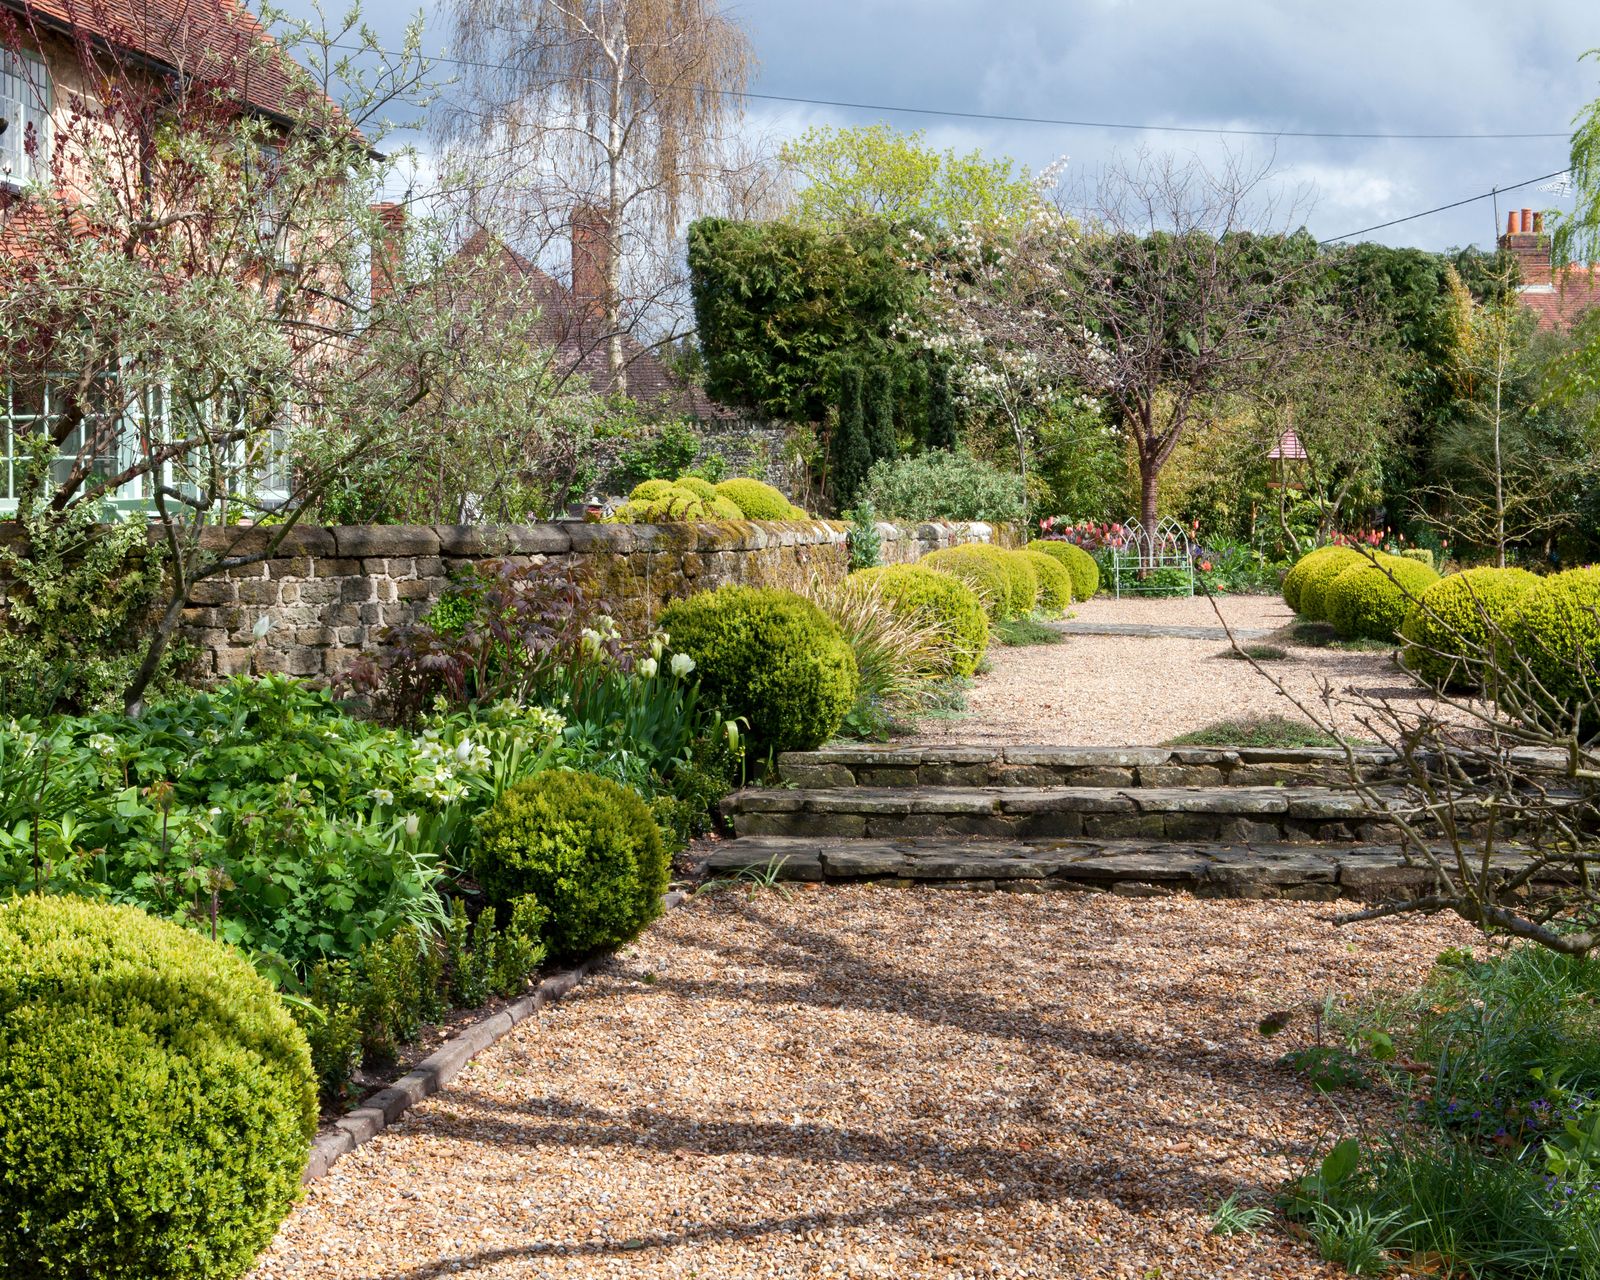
x: 782, y: 308
x: 875, y: 171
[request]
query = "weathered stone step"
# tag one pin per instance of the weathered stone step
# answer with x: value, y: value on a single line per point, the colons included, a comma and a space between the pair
x: 1368, y: 872
x: 1232, y: 813
x: 1045, y: 766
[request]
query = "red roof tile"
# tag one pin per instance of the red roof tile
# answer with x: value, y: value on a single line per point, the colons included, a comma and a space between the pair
x: 1558, y: 301
x: 203, y: 39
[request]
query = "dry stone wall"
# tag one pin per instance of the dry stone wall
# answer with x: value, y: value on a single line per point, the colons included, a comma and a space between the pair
x: 329, y: 593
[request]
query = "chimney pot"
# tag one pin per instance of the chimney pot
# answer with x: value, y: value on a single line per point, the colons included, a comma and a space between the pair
x: 1511, y: 222
x: 1527, y: 220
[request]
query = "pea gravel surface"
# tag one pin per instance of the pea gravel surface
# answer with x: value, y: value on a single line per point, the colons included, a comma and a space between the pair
x: 1138, y: 690
x: 876, y: 1082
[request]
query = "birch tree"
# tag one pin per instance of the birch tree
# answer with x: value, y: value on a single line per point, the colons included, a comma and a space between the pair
x: 626, y: 108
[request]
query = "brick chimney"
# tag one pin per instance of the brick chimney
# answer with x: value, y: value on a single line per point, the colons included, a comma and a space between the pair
x: 1526, y: 241
x: 388, y: 253
x: 591, y: 235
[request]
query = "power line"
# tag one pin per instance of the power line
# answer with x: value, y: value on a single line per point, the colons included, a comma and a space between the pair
x: 1454, y: 204
x: 1045, y: 120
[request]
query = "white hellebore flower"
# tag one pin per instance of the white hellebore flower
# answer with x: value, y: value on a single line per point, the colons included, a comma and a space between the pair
x: 382, y: 795
x: 682, y: 664
x: 591, y: 640
x: 648, y: 667
x: 464, y: 750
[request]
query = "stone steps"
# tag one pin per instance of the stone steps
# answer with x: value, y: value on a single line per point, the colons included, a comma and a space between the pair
x: 1046, y: 766
x: 1249, y: 814
x: 1362, y: 871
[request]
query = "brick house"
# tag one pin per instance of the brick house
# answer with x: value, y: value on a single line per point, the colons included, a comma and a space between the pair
x: 1556, y: 300
x: 47, y: 50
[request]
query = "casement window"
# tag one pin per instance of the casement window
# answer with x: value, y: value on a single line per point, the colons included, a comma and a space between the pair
x: 28, y: 408
x: 25, y: 110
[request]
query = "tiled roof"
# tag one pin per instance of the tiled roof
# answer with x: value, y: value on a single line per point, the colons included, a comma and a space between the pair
x: 579, y: 338
x: 1557, y: 301
x: 203, y: 39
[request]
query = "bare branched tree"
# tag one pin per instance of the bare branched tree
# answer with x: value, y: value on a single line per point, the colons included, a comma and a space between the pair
x: 1492, y: 792
x: 618, y: 116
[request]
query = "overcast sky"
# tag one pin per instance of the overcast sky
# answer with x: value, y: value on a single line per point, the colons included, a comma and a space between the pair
x: 1357, y: 66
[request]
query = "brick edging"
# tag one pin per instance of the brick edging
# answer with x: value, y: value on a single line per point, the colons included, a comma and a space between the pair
x: 360, y: 1126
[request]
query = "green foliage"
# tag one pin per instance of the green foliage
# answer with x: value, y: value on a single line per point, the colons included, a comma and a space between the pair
x: 697, y: 485
x: 875, y: 171
x: 1079, y: 564
x: 1022, y: 632
x: 981, y: 574
x: 877, y: 404
x: 1449, y: 630
x: 851, y: 444
x: 866, y: 543
x: 758, y: 500
x: 1370, y: 601
x: 1422, y: 555
x: 945, y: 486
x: 1022, y: 583
x: 1055, y: 582
x: 156, y: 1100
x: 483, y: 961
x: 261, y: 812
x: 661, y: 502
x: 1320, y: 575
x: 943, y: 424
x: 771, y: 659
x: 586, y: 849
x: 946, y: 601
x: 1261, y: 731
x: 782, y: 308
x: 1493, y: 1171
x: 659, y: 454
x: 81, y: 588
x: 1555, y: 628
x: 1233, y: 1217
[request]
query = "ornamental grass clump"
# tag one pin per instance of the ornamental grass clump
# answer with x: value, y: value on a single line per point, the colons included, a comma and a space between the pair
x: 952, y: 606
x: 584, y: 848
x: 1055, y: 583
x: 157, y: 1101
x: 1370, y: 601
x: 1451, y: 625
x: 770, y: 658
x: 1078, y: 563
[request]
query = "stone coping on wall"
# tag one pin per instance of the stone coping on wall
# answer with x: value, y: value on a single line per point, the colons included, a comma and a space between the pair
x: 572, y: 537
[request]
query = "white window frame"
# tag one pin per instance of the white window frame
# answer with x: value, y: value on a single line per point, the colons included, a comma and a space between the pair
x: 26, y: 101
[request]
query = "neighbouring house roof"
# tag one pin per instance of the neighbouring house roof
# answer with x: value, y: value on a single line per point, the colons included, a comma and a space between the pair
x: 198, y: 39
x: 573, y: 329
x: 1556, y: 298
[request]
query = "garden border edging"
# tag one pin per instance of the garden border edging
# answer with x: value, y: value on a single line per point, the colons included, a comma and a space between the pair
x: 439, y: 1068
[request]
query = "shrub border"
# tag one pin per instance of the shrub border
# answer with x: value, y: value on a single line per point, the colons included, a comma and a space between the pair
x: 360, y: 1126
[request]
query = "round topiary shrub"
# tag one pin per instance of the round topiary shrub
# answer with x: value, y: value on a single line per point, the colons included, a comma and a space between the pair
x: 770, y: 657
x: 1447, y: 630
x: 157, y: 1101
x: 1294, y: 580
x: 759, y: 501
x: 719, y: 508
x: 1320, y: 576
x: 702, y: 489
x: 1555, y: 630
x: 661, y: 503
x: 1055, y: 583
x: 980, y: 573
x: 587, y: 850
x: 1370, y: 601
x: 1022, y: 583
x: 948, y: 601
x: 1078, y: 562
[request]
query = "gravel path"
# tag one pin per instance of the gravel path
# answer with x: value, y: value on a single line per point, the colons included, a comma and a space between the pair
x: 869, y: 1082
x: 1122, y: 690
